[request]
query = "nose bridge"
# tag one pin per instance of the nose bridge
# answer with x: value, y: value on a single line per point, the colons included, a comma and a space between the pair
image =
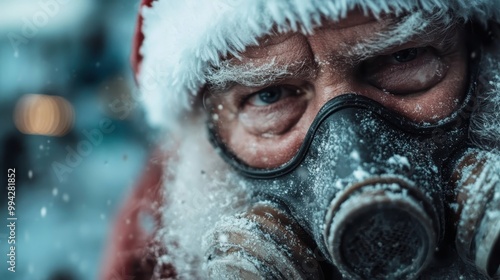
x: 333, y: 79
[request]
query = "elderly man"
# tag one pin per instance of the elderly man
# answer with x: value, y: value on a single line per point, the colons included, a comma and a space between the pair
x: 316, y: 140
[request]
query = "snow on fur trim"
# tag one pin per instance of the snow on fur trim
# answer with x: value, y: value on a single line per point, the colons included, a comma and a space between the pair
x: 183, y: 39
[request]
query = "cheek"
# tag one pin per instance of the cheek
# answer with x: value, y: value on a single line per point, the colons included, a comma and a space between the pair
x: 265, y: 137
x: 259, y: 150
x: 266, y: 153
x: 270, y: 121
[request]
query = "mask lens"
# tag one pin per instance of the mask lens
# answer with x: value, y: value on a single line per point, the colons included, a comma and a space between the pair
x: 251, y: 142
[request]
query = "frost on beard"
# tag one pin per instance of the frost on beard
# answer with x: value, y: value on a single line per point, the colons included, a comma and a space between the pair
x: 202, y: 193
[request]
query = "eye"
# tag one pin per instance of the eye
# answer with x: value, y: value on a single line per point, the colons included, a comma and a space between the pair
x: 270, y: 95
x: 407, y: 55
x: 406, y: 71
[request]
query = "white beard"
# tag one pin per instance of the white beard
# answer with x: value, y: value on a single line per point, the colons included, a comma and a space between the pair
x: 202, y: 191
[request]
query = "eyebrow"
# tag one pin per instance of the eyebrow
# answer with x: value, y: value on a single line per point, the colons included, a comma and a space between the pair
x: 227, y: 75
x: 398, y: 32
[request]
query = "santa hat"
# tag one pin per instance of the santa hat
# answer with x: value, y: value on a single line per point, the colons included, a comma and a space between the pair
x: 178, y: 41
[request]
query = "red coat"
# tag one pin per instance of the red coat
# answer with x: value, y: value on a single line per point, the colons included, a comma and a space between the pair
x: 132, y: 253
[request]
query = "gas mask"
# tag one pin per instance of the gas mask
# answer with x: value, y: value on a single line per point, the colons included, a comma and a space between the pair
x: 365, y: 197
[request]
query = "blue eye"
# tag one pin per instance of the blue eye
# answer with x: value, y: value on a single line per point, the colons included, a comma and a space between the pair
x: 266, y: 96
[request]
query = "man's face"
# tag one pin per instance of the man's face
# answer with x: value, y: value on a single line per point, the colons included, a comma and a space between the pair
x: 264, y: 102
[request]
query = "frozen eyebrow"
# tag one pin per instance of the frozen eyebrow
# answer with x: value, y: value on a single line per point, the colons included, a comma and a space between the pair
x: 416, y: 25
x: 226, y: 75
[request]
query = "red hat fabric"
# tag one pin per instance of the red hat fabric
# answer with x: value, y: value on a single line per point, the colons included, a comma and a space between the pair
x: 135, y: 56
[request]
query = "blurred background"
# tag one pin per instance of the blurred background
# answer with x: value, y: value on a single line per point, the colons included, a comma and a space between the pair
x: 71, y: 126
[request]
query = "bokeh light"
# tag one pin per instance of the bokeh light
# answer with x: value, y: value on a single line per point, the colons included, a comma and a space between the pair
x: 40, y: 114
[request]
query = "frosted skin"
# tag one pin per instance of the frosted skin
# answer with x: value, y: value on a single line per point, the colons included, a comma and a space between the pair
x: 425, y: 89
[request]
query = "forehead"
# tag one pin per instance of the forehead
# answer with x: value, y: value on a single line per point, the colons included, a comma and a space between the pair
x: 337, y: 37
